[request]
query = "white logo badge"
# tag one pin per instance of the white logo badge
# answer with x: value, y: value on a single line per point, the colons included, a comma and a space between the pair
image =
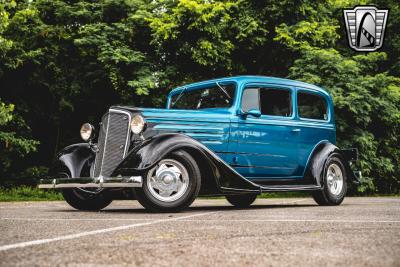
x: 365, y: 27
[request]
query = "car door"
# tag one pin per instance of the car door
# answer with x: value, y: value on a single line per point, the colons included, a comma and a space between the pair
x: 266, y: 146
x: 315, y: 122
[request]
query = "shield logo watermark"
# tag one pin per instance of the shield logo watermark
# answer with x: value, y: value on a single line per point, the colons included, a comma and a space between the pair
x: 365, y: 27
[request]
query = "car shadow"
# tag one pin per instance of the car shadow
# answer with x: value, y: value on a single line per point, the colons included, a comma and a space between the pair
x: 141, y: 210
x: 253, y: 207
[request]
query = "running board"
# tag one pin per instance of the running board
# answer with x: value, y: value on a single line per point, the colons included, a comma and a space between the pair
x: 89, y: 182
x: 288, y: 188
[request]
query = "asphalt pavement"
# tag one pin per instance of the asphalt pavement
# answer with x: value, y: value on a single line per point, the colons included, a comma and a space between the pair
x: 273, y: 232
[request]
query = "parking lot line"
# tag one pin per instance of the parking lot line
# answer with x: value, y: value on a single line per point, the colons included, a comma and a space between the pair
x: 292, y: 220
x: 200, y: 220
x: 77, y: 219
x: 95, y: 232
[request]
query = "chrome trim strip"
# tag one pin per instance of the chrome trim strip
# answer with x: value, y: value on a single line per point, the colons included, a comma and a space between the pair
x: 101, y: 182
x: 105, y: 143
x: 285, y: 188
x: 98, y: 151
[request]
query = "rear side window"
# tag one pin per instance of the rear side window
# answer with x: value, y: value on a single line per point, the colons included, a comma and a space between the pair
x: 270, y: 101
x: 312, y: 106
x: 275, y: 102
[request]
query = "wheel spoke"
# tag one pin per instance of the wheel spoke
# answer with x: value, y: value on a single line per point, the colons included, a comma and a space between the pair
x: 175, y: 169
x: 165, y: 193
x: 160, y: 168
x: 178, y: 185
x: 154, y: 183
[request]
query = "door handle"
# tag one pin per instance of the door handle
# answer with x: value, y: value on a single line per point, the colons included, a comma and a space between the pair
x: 296, y: 130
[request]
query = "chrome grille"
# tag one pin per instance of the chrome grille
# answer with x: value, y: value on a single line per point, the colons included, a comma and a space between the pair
x: 113, y: 142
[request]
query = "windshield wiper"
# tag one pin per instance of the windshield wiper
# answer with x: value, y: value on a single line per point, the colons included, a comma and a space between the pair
x: 223, y: 90
x: 179, y: 96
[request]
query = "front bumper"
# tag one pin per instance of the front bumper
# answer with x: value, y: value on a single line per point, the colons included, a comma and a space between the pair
x: 90, y: 182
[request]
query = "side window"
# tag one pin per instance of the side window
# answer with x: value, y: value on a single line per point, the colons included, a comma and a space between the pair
x: 312, y: 106
x: 250, y: 99
x: 276, y: 102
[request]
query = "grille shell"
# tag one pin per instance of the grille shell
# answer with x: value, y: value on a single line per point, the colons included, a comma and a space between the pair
x: 113, y: 142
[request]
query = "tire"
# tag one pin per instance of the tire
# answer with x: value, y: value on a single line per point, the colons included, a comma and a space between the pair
x: 331, y: 195
x: 241, y: 201
x: 86, y: 199
x: 171, y: 185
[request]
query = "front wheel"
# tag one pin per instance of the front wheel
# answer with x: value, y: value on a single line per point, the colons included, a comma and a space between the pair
x: 87, y: 199
x: 241, y: 201
x: 334, y: 184
x: 171, y: 185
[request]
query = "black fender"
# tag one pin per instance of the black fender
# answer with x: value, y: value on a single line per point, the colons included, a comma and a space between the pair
x: 76, y: 158
x: 149, y: 152
x: 316, y: 165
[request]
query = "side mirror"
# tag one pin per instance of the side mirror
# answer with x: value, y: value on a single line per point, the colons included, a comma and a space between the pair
x: 252, y: 112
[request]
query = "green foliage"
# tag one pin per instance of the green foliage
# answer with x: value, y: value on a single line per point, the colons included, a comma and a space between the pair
x: 12, y: 145
x: 366, y: 107
x: 198, y: 29
x: 64, y: 62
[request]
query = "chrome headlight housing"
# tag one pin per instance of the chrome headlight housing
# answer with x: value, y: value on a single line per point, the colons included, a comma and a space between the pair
x: 87, y: 132
x: 138, y: 124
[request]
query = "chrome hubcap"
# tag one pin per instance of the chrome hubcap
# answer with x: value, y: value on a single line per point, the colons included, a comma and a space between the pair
x: 168, y: 180
x: 335, y: 179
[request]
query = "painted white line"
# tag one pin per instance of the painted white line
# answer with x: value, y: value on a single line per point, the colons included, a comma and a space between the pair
x: 290, y: 202
x: 95, y: 232
x: 202, y: 220
x: 292, y: 220
x: 77, y: 219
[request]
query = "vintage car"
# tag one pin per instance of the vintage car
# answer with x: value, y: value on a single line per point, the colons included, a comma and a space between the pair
x: 236, y: 137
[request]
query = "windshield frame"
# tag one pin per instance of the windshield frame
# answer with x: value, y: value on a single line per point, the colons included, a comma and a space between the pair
x: 188, y: 88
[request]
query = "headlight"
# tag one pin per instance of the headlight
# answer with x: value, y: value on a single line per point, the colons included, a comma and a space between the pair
x: 87, y: 132
x: 138, y: 124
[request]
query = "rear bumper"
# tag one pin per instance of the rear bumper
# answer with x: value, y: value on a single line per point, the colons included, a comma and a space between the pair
x: 358, y: 177
x: 90, y: 182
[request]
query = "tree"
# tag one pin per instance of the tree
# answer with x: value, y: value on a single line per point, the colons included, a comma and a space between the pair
x: 366, y: 97
x: 63, y: 62
x: 13, y: 145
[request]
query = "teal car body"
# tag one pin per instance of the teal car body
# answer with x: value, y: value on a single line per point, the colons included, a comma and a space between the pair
x: 265, y: 147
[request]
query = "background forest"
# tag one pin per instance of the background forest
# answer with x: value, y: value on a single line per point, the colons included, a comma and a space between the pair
x: 63, y: 63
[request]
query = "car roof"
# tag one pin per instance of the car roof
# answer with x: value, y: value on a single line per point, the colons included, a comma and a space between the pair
x: 255, y: 79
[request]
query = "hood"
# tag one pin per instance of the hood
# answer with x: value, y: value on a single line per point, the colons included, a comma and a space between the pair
x: 216, y: 115
x: 209, y: 126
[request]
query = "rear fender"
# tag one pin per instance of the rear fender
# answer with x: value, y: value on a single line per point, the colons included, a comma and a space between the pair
x: 316, y: 166
x: 148, y: 153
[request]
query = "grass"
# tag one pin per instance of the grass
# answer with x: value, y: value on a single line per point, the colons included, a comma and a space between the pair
x: 27, y: 193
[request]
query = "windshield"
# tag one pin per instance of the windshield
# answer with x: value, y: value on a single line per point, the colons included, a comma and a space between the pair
x: 217, y: 95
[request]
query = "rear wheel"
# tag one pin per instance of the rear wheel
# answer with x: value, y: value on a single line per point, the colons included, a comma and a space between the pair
x: 89, y: 199
x: 334, y: 184
x: 241, y: 201
x: 171, y: 185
